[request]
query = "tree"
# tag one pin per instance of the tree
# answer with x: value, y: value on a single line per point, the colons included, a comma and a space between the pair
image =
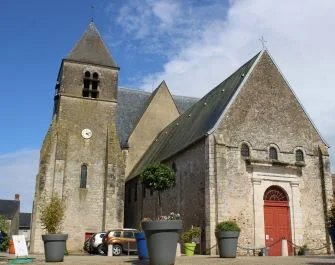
x: 158, y: 177
x: 3, y: 234
x: 3, y: 224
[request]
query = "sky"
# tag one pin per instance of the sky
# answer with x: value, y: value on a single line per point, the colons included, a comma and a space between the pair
x: 192, y: 45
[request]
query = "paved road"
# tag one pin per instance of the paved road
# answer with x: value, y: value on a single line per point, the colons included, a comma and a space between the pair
x: 196, y: 260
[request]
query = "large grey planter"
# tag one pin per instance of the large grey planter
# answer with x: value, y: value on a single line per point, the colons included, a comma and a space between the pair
x: 227, y: 243
x: 162, y: 237
x: 54, y: 247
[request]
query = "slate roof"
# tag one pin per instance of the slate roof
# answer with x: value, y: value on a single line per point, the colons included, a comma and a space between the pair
x: 194, y: 123
x: 25, y: 219
x: 131, y: 105
x: 9, y: 208
x: 91, y: 49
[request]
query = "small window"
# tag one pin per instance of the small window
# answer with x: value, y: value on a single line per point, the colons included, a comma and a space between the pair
x: 273, y: 153
x: 117, y: 234
x: 299, y: 156
x: 86, y: 84
x: 128, y: 234
x: 144, y: 191
x: 83, y: 176
x: 245, y: 152
x: 151, y: 192
x: 135, y: 191
x: 174, y: 167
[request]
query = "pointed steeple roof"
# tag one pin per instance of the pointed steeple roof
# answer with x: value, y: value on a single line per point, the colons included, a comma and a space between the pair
x: 91, y: 49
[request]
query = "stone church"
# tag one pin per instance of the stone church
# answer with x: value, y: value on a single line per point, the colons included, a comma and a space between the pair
x: 246, y: 151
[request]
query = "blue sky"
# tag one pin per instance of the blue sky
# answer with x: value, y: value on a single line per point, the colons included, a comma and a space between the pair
x: 192, y: 45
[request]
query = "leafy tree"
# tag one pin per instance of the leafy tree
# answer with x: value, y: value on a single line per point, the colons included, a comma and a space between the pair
x: 4, y: 240
x: 3, y: 224
x: 158, y: 177
x: 52, y: 214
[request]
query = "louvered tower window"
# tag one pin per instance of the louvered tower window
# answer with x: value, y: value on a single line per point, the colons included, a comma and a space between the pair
x: 95, y: 83
x: 273, y: 153
x: 91, y: 85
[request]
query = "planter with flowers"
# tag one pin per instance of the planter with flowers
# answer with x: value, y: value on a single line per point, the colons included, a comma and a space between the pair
x: 190, y: 238
x: 52, y: 214
x: 227, y: 234
x: 161, y: 234
x: 331, y: 223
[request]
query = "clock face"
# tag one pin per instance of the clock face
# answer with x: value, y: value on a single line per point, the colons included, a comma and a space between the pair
x: 86, y: 133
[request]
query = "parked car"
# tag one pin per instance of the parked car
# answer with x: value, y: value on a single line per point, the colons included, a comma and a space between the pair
x: 123, y: 240
x: 87, y: 245
x: 96, y: 243
x: 93, y: 245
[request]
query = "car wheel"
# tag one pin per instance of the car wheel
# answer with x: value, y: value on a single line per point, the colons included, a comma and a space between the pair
x: 117, y: 250
x: 100, y: 250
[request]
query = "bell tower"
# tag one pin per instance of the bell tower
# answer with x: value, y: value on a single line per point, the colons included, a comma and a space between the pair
x: 81, y: 159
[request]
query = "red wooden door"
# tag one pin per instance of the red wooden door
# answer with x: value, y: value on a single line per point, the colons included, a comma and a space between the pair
x: 277, y: 226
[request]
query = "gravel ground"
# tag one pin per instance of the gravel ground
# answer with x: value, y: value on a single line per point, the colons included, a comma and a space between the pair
x: 195, y: 260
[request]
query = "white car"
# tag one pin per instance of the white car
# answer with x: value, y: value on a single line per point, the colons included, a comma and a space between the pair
x: 96, y: 243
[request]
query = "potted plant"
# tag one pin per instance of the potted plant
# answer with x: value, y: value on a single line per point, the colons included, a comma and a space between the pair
x: 161, y: 234
x: 303, y: 250
x: 189, y: 238
x: 331, y: 222
x: 227, y: 234
x: 141, y: 242
x: 52, y: 214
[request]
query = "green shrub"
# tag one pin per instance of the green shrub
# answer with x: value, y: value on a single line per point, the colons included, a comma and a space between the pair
x: 52, y: 214
x: 191, y: 234
x: 227, y: 226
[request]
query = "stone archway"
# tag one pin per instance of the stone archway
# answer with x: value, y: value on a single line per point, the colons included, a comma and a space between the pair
x: 276, y: 220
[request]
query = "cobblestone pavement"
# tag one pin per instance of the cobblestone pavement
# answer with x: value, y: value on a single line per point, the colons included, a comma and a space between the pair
x: 195, y: 260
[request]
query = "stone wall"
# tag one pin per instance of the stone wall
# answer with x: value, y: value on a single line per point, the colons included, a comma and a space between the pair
x: 186, y: 198
x: 266, y: 113
x: 160, y: 112
x: 64, y: 151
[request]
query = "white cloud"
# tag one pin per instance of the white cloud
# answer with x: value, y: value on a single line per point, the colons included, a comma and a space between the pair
x: 209, y: 44
x: 17, y: 176
x: 166, y: 11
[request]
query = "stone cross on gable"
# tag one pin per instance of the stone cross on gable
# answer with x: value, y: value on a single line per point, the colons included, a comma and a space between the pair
x: 263, y: 41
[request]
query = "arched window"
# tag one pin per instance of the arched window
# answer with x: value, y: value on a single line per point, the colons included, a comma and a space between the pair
x: 299, y: 156
x: 245, y: 152
x: 91, y: 85
x: 275, y: 193
x: 83, y: 176
x: 273, y: 153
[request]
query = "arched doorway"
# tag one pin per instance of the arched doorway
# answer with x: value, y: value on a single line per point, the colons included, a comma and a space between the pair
x: 276, y: 220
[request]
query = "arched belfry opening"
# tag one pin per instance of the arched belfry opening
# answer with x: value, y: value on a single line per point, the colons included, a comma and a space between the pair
x: 277, y: 220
